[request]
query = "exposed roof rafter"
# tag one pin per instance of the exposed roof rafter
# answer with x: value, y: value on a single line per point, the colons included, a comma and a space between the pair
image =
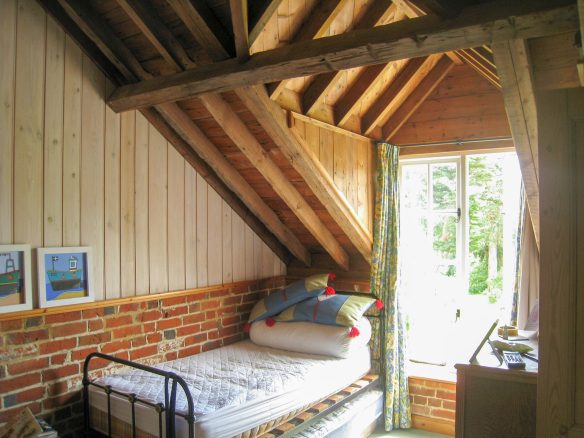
x: 512, y: 58
x: 398, y: 90
x: 272, y: 119
x: 474, y: 26
x: 118, y: 54
x: 204, y: 26
x: 255, y: 153
x: 239, y: 22
x: 378, y: 13
x: 261, y: 18
x: 318, y: 23
x: 417, y: 97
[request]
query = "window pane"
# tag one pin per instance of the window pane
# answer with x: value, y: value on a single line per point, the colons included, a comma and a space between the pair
x: 444, y: 186
x: 444, y: 237
x: 414, y: 186
x: 493, y: 190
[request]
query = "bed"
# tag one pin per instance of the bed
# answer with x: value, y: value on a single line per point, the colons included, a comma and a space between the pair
x: 239, y: 390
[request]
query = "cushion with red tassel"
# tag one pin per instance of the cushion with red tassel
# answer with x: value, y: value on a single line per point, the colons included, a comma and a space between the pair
x: 344, y: 310
x: 354, y: 332
x: 312, y: 338
x: 379, y: 304
x: 300, y: 290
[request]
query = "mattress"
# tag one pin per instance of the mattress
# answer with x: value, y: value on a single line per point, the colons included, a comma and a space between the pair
x: 234, y: 388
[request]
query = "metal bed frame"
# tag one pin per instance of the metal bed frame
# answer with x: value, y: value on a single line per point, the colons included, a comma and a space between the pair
x: 168, y: 407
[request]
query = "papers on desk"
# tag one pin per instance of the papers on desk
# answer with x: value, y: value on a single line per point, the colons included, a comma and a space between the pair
x: 523, y: 335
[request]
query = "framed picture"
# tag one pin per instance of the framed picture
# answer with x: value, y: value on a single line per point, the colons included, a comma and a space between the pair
x: 15, y: 278
x: 65, y: 276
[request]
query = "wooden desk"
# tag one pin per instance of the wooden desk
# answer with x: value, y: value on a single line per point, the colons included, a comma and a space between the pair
x: 494, y: 401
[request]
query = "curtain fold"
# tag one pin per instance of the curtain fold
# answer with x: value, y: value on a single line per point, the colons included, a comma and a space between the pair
x: 526, y: 294
x: 384, y: 285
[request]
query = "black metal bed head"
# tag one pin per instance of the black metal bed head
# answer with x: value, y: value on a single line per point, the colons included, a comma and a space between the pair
x: 168, y: 407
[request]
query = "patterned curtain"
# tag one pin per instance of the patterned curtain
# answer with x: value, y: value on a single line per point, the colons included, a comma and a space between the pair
x: 384, y: 282
x: 519, y: 239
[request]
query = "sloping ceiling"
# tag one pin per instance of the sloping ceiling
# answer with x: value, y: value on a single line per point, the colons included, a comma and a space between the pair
x: 361, y: 82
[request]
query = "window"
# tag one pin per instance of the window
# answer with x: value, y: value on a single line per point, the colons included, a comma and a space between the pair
x: 458, y: 234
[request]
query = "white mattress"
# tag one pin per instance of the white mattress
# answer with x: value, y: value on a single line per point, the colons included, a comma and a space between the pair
x: 234, y: 388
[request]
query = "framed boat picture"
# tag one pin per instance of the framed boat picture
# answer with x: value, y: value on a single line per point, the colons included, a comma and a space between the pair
x: 15, y: 278
x: 64, y: 276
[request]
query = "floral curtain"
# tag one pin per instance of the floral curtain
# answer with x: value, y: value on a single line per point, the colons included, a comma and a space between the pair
x: 384, y: 282
x: 519, y: 239
x: 526, y: 292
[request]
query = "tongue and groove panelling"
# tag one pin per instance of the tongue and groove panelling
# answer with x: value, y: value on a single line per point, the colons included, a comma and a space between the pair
x: 75, y: 173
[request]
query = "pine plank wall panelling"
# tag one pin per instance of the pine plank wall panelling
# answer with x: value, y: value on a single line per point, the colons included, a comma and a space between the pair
x: 72, y: 172
x: 349, y: 161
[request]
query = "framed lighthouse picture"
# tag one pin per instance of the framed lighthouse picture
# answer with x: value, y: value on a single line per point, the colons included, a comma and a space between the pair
x: 64, y: 276
x: 15, y: 278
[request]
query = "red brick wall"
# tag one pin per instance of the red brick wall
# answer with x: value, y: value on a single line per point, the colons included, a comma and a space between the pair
x: 41, y: 357
x: 435, y: 401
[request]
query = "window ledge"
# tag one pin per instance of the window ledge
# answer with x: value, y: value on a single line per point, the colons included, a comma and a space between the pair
x: 431, y: 372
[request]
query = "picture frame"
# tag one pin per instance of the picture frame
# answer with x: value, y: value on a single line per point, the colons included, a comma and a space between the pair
x: 15, y: 278
x: 65, y: 276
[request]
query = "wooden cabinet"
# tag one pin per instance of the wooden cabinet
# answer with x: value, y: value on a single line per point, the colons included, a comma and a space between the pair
x: 495, y: 402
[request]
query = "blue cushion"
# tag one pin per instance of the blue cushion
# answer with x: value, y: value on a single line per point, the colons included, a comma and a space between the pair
x: 296, y: 292
x: 343, y: 310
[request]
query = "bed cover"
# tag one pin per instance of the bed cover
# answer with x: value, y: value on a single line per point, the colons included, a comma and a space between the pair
x: 234, y: 388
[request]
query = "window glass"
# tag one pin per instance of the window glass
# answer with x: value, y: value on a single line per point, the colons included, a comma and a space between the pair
x: 444, y: 182
x: 458, y: 236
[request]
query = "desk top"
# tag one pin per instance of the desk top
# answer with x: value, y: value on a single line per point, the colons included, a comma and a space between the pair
x: 487, y: 360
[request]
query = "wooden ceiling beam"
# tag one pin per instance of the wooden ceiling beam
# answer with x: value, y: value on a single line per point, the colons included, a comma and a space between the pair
x: 98, y: 31
x: 205, y: 27
x: 479, y: 59
x: 474, y: 26
x: 512, y: 59
x: 247, y: 143
x: 267, y: 116
x: 273, y: 120
x: 442, y: 8
x: 144, y: 17
x: 417, y: 97
x: 239, y: 22
x: 255, y: 153
x: 209, y: 175
x: 260, y: 17
x: 317, y: 25
x: 378, y: 13
x: 191, y: 133
x: 85, y: 18
x: 397, y: 92
x: 349, y: 103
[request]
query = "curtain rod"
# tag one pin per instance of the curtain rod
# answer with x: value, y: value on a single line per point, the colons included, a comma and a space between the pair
x: 459, y: 142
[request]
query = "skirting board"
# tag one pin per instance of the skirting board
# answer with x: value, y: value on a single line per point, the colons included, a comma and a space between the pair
x: 435, y: 425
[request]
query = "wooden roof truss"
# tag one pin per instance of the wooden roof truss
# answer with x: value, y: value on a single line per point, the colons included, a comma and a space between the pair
x: 194, y: 69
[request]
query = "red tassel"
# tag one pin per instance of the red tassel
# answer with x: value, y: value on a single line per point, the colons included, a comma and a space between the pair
x: 329, y: 291
x: 379, y: 304
x: 354, y: 332
x: 270, y: 322
x: 246, y: 327
x: 332, y: 277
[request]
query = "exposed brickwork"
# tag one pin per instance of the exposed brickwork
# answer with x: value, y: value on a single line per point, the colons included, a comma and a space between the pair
x: 433, y: 399
x: 41, y: 357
